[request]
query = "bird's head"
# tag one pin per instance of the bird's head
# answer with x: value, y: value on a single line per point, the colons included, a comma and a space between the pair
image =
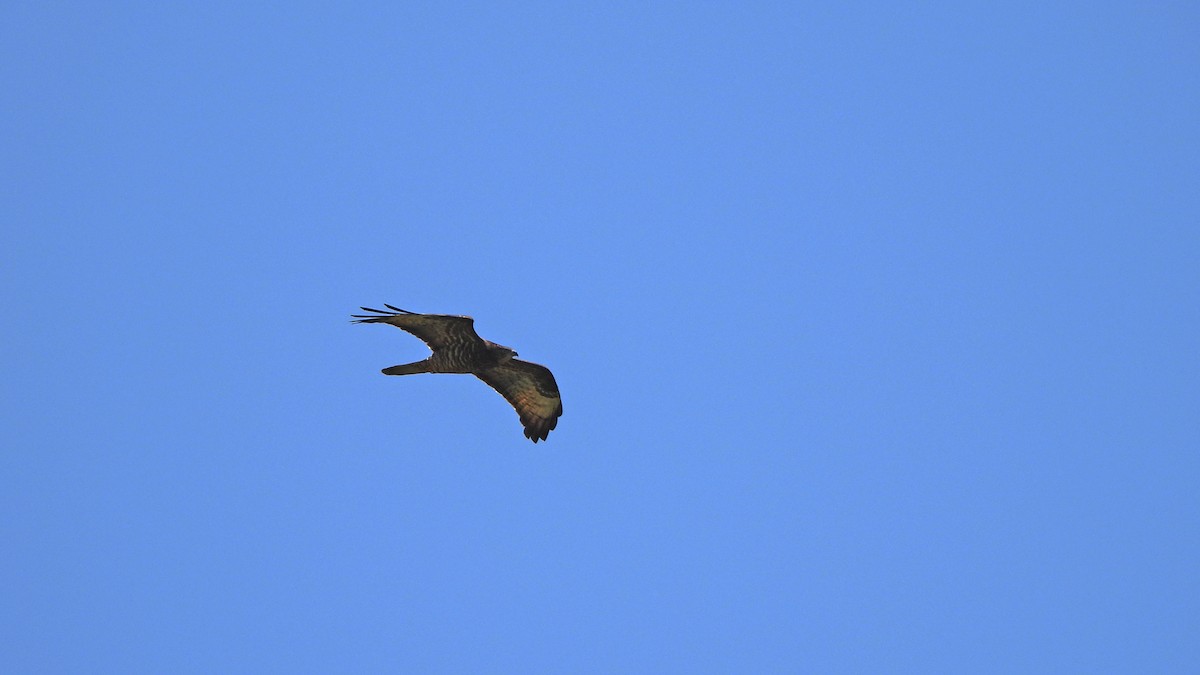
x: 503, y: 354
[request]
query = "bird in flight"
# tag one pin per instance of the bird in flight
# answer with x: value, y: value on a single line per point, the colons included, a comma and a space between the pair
x: 529, y: 387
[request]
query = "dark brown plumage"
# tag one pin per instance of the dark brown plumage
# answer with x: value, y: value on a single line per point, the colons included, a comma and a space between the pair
x: 457, y: 348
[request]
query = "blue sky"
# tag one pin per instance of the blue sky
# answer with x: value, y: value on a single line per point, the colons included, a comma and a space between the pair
x: 876, y: 328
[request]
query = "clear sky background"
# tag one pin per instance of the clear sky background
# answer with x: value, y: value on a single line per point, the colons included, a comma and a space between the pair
x: 876, y: 328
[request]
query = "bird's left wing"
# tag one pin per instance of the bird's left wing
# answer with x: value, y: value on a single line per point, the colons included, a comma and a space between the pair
x: 531, y: 389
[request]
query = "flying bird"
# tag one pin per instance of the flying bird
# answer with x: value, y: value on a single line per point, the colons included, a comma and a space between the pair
x: 529, y: 387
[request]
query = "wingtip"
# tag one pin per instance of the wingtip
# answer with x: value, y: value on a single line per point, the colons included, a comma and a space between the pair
x: 538, y: 433
x: 393, y: 310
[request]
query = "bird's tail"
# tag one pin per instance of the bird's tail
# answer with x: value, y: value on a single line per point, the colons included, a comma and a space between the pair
x: 408, y: 368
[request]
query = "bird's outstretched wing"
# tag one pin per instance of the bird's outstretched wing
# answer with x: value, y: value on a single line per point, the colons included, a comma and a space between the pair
x: 531, y: 389
x: 436, y: 330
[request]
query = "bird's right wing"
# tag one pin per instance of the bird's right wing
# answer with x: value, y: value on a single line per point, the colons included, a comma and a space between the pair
x: 436, y: 330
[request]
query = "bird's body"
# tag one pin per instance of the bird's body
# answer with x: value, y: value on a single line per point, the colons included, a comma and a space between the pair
x: 457, y: 348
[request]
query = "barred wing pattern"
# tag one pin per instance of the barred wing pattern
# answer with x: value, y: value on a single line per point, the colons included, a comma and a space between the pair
x: 436, y: 330
x: 531, y: 389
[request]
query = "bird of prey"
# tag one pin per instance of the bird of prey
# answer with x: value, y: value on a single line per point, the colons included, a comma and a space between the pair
x: 529, y: 387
